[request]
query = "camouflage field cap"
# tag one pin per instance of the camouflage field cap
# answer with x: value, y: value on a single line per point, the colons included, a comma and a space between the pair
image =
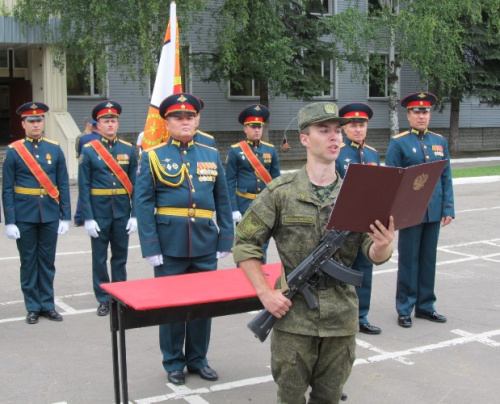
x: 319, y: 112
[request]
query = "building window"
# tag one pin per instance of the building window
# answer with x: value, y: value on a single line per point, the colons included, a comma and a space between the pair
x: 374, y: 7
x: 327, y: 70
x: 82, y: 80
x: 244, y: 88
x: 4, y: 58
x: 322, y: 7
x: 20, y: 59
x: 377, y: 76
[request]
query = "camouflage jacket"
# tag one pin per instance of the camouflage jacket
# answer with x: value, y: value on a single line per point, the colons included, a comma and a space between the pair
x: 289, y: 211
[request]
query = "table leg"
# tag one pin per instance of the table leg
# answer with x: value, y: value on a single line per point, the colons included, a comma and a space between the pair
x: 113, y: 318
x: 123, y: 353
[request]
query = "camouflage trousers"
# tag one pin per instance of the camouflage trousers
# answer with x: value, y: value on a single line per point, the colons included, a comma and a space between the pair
x: 299, y: 361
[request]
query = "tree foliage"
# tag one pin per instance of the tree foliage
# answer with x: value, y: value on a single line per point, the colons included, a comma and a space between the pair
x: 280, y: 43
x: 132, y: 29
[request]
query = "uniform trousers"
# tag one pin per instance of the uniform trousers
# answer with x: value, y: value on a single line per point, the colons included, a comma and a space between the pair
x: 299, y: 361
x: 417, y: 250
x: 193, y: 335
x: 364, y: 292
x: 37, y: 251
x: 113, y: 233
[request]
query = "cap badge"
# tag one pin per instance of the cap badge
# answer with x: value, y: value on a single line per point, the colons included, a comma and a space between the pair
x: 421, y: 95
x: 357, y: 114
x: 257, y: 108
x: 182, y: 98
x: 34, y: 106
x: 330, y: 109
x: 108, y: 105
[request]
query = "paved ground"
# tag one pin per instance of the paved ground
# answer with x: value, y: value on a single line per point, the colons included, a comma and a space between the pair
x: 456, y: 362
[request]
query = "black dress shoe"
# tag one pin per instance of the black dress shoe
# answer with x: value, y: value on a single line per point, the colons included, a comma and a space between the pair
x: 431, y: 316
x: 32, y: 317
x: 51, y: 315
x: 103, y: 309
x: 176, y: 377
x: 404, y: 321
x: 206, y: 373
x: 369, y: 329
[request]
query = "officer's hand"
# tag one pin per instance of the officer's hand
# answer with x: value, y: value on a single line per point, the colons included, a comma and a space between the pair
x: 63, y: 227
x: 155, y: 260
x: 222, y: 254
x: 236, y: 216
x: 12, y: 231
x: 132, y: 225
x: 92, y: 228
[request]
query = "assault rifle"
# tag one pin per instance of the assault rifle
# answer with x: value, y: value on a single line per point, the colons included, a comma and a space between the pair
x: 309, y: 273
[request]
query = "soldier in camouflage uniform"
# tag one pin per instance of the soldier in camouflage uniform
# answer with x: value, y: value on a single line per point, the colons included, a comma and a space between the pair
x: 308, y: 347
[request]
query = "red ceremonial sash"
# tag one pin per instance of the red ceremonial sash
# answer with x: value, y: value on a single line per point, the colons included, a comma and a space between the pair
x: 260, y: 170
x: 113, y: 165
x: 37, y: 171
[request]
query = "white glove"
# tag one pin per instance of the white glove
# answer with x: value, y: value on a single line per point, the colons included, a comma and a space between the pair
x: 236, y: 216
x: 132, y: 225
x: 63, y: 227
x: 12, y: 231
x: 155, y: 260
x: 222, y: 254
x: 91, y: 227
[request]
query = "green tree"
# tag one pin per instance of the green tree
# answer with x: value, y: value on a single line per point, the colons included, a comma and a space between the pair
x: 280, y: 44
x: 132, y: 29
x: 451, y: 44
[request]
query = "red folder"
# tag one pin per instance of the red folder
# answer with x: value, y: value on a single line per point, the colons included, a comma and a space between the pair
x: 377, y: 192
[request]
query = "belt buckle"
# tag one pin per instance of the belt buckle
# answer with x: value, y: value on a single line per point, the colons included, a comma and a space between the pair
x: 43, y: 191
x: 114, y: 191
x: 191, y: 212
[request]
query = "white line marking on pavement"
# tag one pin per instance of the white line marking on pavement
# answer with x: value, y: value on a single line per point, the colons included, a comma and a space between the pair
x: 13, y: 319
x: 427, y: 348
x: 192, y: 396
x: 366, y: 345
x: 481, y: 339
x: 183, y: 392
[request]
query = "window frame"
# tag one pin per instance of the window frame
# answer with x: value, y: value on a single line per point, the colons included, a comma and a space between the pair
x: 253, y: 96
x: 386, y: 80
x: 331, y: 8
x: 333, y: 82
x: 92, y: 85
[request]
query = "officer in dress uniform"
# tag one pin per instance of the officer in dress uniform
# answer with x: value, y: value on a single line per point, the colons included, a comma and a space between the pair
x: 184, y: 182
x: 37, y: 208
x: 106, y: 176
x: 355, y: 150
x: 417, y: 245
x: 251, y: 164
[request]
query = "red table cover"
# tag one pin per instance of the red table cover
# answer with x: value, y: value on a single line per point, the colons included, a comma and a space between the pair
x: 188, y: 289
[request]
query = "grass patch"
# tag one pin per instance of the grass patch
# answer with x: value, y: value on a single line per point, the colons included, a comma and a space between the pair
x: 475, y: 171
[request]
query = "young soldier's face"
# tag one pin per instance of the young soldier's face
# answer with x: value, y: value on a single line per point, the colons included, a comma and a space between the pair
x: 356, y: 131
x: 33, y: 129
x: 181, y: 127
x: 108, y: 127
x: 323, y: 141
